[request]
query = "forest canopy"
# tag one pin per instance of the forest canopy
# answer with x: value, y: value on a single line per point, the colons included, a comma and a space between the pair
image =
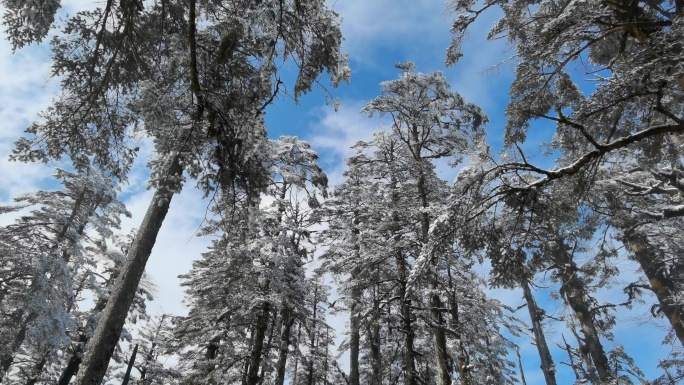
x: 451, y: 243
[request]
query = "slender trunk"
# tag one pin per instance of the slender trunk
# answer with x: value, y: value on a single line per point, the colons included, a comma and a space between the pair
x: 375, y: 341
x: 410, y: 377
x: 354, y: 341
x: 101, y: 346
x: 313, y: 338
x: 260, y: 328
x: 436, y: 316
x: 577, y: 369
x: 441, y: 355
x: 286, y: 327
x: 296, y: 364
x: 575, y: 296
x: 245, y: 367
x: 536, y: 314
x: 269, y: 343
x: 148, y: 359
x: 661, y: 285
x: 522, y: 372
x: 326, y: 363
x: 131, y: 362
x: 463, y: 360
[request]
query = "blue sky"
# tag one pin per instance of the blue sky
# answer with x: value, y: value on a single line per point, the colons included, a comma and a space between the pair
x: 378, y: 34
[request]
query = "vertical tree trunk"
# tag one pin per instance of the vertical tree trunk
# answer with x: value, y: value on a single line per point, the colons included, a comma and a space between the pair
x: 520, y: 365
x: 436, y: 316
x: 261, y: 325
x: 463, y: 360
x: 661, y: 285
x: 354, y: 341
x: 375, y: 341
x: 406, y: 326
x: 314, y: 332
x: 285, y: 331
x: 575, y: 296
x: 547, y: 366
x: 101, y: 346
x: 296, y: 364
x: 269, y: 343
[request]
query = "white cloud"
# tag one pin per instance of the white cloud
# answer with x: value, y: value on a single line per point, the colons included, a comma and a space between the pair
x: 335, y: 132
x: 404, y: 26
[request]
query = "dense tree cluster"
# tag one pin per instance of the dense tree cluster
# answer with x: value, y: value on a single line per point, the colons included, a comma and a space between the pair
x: 402, y: 248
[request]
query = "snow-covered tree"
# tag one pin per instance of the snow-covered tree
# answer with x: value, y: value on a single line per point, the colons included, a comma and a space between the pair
x: 247, y: 293
x: 195, y: 77
x: 432, y: 123
x: 609, y: 76
x: 45, y: 262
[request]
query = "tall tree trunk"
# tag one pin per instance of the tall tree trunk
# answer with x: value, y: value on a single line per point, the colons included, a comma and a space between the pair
x: 260, y: 328
x: 354, y: 321
x: 410, y: 377
x: 463, y: 360
x: 436, y: 315
x: 313, y: 337
x: 149, y: 356
x: 575, y: 296
x: 374, y: 336
x: 285, y: 331
x: 296, y: 363
x: 536, y: 314
x: 269, y: 343
x: 661, y: 285
x: 354, y: 341
x: 101, y: 346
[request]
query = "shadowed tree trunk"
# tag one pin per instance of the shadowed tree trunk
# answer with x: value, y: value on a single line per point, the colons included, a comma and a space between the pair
x: 354, y: 340
x: 374, y: 336
x: 260, y: 327
x: 574, y: 293
x: 661, y: 285
x: 536, y: 316
x: 285, y: 331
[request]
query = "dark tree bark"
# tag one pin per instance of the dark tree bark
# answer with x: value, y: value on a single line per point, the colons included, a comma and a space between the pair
x: 101, y: 346
x: 536, y: 317
x: 354, y: 321
x: 285, y: 331
x: 260, y: 328
x: 375, y: 341
x: 354, y: 341
x: 661, y: 285
x: 575, y: 295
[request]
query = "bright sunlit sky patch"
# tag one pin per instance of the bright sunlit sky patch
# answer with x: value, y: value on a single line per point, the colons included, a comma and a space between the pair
x: 378, y: 33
